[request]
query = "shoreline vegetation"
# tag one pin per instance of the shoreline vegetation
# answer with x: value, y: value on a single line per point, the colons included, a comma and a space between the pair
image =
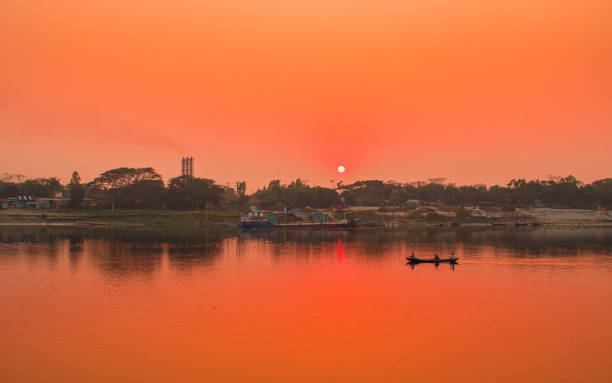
x: 139, y: 198
x: 394, y: 218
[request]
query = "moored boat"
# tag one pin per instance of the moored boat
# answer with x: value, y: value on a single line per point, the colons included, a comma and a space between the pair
x: 261, y: 219
x: 341, y: 224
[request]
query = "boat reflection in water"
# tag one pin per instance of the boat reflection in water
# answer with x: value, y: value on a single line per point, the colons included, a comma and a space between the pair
x: 413, y: 263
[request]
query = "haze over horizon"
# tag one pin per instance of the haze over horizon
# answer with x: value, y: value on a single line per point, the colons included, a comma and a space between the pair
x: 476, y: 92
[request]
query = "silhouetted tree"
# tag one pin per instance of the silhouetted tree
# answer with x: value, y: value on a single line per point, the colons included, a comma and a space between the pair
x: 40, y: 187
x: 556, y: 191
x: 8, y: 189
x: 297, y: 194
x: 76, y: 191
x: 185, y: 192
x: 144, y: 194
x: 113, y: 182
x: 243, y: 199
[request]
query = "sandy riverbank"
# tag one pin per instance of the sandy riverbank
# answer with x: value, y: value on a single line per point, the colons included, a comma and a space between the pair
x: 389, y: 216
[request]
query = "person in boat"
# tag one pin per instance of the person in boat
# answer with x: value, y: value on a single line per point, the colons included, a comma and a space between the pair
x: 452, y: 256
x: 412, y: 257
x: 436, y: 258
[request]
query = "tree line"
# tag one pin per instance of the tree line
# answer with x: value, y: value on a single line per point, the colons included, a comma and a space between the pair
x: 124, y: 188
x: 553, y: 192
x: 144, y: 188
x: 39, y: 187
x: 296, y: 194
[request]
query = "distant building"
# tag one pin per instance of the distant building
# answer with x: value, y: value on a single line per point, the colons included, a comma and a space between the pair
x: 29, y: 202
x: 25, y: 202
x: 50, y: 203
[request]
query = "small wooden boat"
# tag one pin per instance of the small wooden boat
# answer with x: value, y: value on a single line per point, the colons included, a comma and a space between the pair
x: 441, y: 260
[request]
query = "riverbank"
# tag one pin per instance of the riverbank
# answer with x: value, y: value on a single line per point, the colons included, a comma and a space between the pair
x: 388, y: 217
x: 478, y: 216
x: 86, y: 218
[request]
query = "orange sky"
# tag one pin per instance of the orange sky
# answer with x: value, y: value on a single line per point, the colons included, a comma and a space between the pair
x: 474, y: 91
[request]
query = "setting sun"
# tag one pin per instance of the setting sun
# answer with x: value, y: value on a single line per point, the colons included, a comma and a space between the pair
x: 341, y: 169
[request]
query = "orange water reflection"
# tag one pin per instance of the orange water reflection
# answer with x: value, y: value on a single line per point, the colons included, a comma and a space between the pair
x: 258, y: 308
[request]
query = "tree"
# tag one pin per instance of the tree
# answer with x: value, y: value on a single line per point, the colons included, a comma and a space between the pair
x: 8, y: 177
x: 113, y: 182
x: 243, y: 199
x: 8, y: 189
x: 297, y: 194
x: 145, y: 194
x: 41, y: 187
x: 185, y: 192
x: 76, y: 191
x: 367, y: 193
x: 54, y: 185
x: 602, y: 190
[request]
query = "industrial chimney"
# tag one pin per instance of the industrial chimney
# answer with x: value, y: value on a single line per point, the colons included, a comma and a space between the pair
x: 187, y: 166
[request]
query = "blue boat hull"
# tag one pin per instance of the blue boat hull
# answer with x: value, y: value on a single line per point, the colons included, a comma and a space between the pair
x: 301, y: 225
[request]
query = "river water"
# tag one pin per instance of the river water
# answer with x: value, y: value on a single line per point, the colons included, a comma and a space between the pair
x: 528, y: 305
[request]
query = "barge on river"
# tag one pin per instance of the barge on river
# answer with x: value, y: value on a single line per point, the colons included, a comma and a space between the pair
x: 293, y: 219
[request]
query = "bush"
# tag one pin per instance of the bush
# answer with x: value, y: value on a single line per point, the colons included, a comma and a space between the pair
x: 463, y: 213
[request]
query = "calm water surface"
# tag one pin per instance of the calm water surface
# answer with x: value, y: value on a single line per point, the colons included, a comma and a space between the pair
x: 524, y: 305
